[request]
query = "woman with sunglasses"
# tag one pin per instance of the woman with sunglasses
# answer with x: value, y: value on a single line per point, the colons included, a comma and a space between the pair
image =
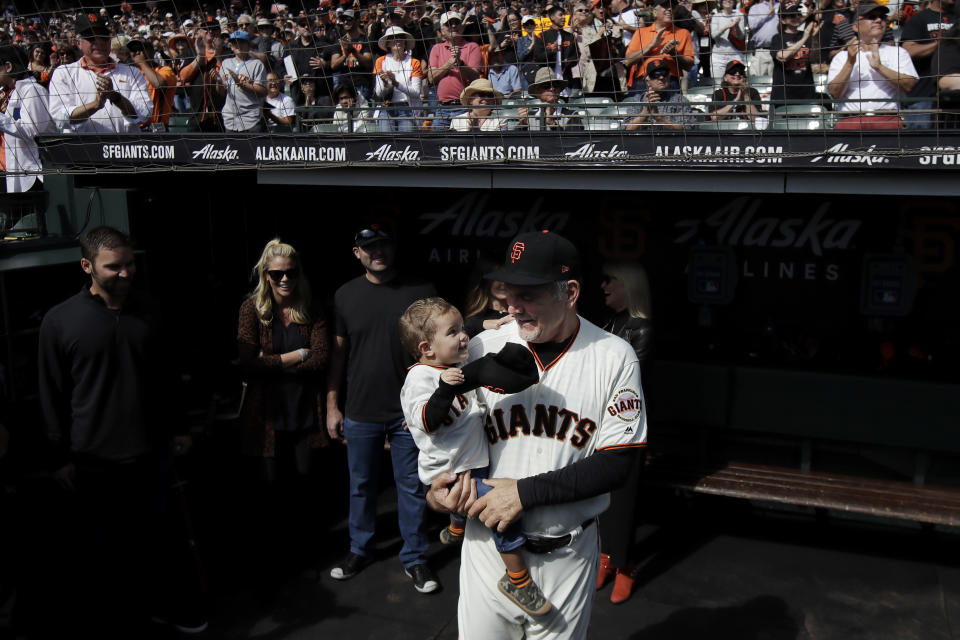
x: 283, y: 349
x: 626, y: 291
x: 735, y: 98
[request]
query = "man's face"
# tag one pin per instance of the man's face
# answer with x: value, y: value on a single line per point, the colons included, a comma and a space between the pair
x: 872, y: 25
x: 376, y: 257
x: 549, y: 95
x: 273, y: 85
x: 663, y: 14
x: 538, y: 314
x: 347, y: 101
x: 452, y: 28
x: 245, y: 24
x: 111, y: 270
x: 658, y: 80
x: 96, y: 49
x: 557, y: 19
x: 240, y: 47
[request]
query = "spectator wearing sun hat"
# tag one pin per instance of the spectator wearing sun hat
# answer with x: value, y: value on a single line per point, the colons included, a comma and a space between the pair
x: 399, y: 79
x: 480, y: 97
x: 266, y: 48
x: 552, y: 116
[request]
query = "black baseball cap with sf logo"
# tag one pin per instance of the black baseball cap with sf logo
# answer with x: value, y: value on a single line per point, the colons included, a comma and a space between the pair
x: 538, y: 257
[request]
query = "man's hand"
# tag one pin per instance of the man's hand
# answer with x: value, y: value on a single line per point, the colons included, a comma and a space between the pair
x: 182, y: 444
x: 853, y: 48
x: 873, y: 55
x: 652, y: 96
x: 670, y: 47
x: 104, y: 90
x: 450, y: 493
x: 334, y: 423
x: 65, y: 476
x: 140, y: 57
x: 500, y: 506
x: 316, y: 62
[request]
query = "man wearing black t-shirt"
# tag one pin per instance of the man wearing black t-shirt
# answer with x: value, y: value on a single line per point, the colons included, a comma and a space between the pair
x: 367, y: 345
x: 792, y: 76
x: 921, y: 39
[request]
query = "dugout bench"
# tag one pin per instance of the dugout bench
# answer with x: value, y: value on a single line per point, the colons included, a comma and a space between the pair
x: 881, y: 447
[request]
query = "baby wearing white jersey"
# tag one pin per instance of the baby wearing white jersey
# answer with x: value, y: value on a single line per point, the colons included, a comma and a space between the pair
x: 448, y: 429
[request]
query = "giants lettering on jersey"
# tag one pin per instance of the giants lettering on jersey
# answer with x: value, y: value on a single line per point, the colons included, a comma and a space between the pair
x: 548, y: 422
x: 460, y: 402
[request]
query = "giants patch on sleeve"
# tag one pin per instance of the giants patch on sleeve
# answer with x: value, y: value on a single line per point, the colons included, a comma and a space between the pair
x: 627, y: 406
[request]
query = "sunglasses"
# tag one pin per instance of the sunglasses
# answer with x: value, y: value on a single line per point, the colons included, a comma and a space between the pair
x: 874, y: 16
x: 367, y: 234
x: 277, y: 274
x: 659, y: 75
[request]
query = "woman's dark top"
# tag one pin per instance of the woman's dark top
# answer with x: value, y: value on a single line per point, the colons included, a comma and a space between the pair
x: 637, y: 331
x: 295, y: 408
x: 793, y: 79
x: 474, y: 324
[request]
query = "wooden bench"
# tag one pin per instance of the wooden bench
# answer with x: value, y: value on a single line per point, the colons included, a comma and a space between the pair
x: 818, y: 490
x: 714, y: 413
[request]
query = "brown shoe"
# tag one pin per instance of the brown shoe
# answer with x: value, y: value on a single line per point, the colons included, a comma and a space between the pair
x: 622, y: 586
x: 605, y: 572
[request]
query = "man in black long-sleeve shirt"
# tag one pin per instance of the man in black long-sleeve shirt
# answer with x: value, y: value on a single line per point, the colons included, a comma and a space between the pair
x: 106, y: 407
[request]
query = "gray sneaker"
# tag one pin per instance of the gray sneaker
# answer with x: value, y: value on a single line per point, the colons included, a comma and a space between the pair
x: 529, y: 598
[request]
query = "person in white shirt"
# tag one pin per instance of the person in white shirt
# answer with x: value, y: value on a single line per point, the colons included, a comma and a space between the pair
x: 869, y: 75
x: 94, y: 95
x: 280, y: 107
x: 764, y: 21
x: 23, y: 114
x: 724, y: 23
x: 399, y: 78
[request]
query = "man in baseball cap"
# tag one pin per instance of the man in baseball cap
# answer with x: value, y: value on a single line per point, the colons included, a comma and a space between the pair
x: 665, y: 106
x: 586, y: 374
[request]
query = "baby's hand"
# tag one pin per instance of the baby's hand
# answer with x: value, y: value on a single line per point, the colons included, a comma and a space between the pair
x: 452, y: 375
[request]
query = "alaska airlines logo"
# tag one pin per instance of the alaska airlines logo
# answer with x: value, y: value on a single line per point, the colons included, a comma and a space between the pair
x: 211, y: 152
x: 386, y: 153
x: 590, y: 150
x: 548, y: 422
x: 840, y: 153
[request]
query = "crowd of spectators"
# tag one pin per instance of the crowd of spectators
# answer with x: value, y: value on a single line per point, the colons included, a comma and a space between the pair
x: 407, y: 64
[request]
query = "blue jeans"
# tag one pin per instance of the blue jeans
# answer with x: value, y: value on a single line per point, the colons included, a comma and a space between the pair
x: 388, y: 124
x: 512, y: 538
x: 364, y: 450
x: 919, y: 120
x: 441, y: 122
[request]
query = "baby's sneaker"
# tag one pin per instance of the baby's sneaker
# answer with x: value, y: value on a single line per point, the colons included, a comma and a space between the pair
x: 528, y: 597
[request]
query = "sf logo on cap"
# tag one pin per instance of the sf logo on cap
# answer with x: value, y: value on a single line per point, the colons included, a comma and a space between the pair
x: 517, y: 251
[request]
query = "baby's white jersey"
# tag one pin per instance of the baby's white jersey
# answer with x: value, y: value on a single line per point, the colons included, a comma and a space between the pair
x: 459, y: 443
x: 588, y: 399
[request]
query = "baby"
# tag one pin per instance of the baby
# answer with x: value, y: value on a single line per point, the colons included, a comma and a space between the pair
x: 442, y: 414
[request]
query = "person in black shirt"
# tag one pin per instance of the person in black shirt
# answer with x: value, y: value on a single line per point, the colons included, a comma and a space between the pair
x: 311, y: 58
x: 107, y: 395
x: 367, y: 347
x: 736, y: 98
x: 556, y: 48
x: 921, y: 38
x: 352, y: 58
x: 792, y: 76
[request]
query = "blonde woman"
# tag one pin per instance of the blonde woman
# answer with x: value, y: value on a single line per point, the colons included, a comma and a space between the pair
x: 626, y: 291
x: 283, y: 349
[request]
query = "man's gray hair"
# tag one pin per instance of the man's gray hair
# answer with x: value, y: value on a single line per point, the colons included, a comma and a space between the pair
x: 558, y: 289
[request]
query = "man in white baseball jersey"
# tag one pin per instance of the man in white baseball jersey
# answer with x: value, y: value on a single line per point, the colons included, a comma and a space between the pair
x: 556, y: 448
x: 94, y: 95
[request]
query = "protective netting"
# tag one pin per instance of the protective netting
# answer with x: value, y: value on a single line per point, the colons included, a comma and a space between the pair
x: 160, y: 85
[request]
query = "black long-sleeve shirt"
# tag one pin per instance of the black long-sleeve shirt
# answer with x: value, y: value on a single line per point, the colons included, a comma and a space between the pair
x: 105, y: 387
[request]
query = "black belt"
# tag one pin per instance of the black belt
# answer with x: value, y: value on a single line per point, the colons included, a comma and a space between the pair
x: 540, y: 544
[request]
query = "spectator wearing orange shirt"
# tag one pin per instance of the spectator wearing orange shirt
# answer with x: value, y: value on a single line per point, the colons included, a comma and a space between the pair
x: 161, y: 81
x: 200, y: 78
x: 659, y: 41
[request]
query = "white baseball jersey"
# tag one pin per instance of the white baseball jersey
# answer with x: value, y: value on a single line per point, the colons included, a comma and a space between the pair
x: 587, y: 400
x: 74, y: 84
x: 457, y: 445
